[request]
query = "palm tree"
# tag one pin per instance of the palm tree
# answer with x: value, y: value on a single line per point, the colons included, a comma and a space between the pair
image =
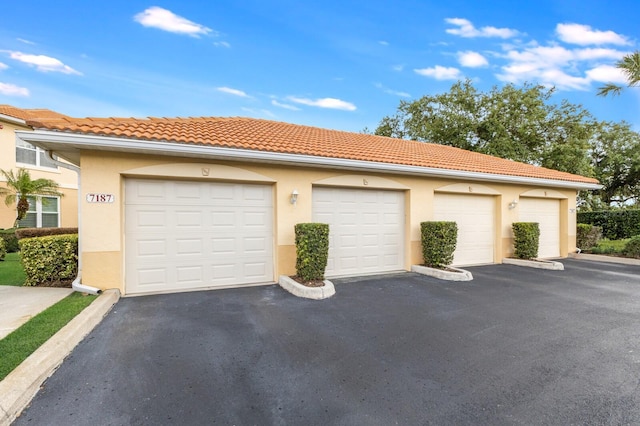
x: 630, y: 66
x: 20, y: 186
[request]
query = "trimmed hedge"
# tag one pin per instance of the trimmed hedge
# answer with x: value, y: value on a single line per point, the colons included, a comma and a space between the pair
x: 587, y: 236
x: 10, y: 239
x: 3, y: 249
x: 632, y: 248
x: 526, y: 239
x: 43, y: 232
x: 615, y: 224
x: 312, y: 250
x: 50, y: 260
x: 439, y: 240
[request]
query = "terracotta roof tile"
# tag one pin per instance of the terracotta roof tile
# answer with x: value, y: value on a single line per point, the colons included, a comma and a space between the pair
x: 272, y: 136
x: 29, y: 114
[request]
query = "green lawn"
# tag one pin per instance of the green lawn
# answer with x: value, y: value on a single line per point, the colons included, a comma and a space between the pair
x: 609, y: 247
x: 11, y: 272
x: 21, y: 343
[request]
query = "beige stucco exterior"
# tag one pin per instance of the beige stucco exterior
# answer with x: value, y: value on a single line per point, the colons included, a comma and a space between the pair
x: 67, y: 179
x: 102, y: 224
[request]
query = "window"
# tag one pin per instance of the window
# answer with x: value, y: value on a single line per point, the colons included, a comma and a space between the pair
x: 44, y: 212
x: 29, y: 154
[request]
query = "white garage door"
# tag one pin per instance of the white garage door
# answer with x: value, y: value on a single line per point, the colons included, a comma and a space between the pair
x: 547, y: 213
x: 366, y: 229
x: 474, y: 215
x: 191, y: 235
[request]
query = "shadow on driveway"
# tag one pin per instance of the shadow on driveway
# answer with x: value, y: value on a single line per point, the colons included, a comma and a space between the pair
x: 513, y: 346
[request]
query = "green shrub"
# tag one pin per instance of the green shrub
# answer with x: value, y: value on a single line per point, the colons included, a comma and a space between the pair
x: 10, y: 239
x: 632, y: 248
x: 439, y: 241
x: 526, y: 238
x: 43, y: 232
x: 312, y: 250
x: 615, y: 224
x: 587, y: 236
x: 51, y: 260
x: 3, y: 249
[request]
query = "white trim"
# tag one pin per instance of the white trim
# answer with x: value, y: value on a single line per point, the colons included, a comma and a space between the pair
x: 12, y: 120
x: 71, y: 140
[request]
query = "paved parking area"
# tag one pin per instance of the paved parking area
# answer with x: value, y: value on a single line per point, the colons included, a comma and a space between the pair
x: 513, y: 346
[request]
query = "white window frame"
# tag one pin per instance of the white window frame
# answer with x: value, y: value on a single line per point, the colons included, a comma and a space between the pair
x: 37, y: 209
x: 39, y: 153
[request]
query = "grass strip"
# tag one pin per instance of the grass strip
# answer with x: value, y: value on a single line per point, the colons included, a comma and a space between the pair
x: 11, y: 271
x: 610, y: 246
x: 22, y: 342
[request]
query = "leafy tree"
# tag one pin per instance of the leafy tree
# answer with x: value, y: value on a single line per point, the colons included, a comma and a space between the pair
x: 615, y: 155
x: 522, y: 124
x: 517, y: 123
x: 630, y: 67
x: 20, y: 186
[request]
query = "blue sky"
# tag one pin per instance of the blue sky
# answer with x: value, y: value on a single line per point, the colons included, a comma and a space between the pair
x: 335, y: 64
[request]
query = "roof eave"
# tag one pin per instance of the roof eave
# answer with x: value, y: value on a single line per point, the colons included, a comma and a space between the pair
x: 61, y: 142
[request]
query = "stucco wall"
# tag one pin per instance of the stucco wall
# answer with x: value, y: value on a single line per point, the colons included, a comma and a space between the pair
x: 102, y: 227
x: 67, y: 179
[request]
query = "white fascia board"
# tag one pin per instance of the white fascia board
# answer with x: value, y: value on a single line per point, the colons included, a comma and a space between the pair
x: 52, y: 140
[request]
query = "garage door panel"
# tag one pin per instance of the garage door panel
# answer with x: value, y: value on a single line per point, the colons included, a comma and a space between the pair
x: 474, y: 216
x: 546, y: 212
x: 186, y: 242
x: 361, y: 222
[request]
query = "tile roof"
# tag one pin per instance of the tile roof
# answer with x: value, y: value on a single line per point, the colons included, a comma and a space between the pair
x: 29, y: 114
x: 278, y: 137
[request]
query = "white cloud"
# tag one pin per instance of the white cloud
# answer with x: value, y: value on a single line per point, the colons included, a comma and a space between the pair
x: 584, y: 35
x: 557, y: 66
x: 3, y: 66
x: 13, y: 90
x: 383, y: 43
x: 330, y: 103
x: 25, y: 41
x: 231, y: 91
x: 259, y: 112
x: 607, y: 74
x: 163, y: 19
x: 391, y: 91
x: 472, y: 59
x: 285, y: 106
x: 221, y: 44
x: 466, y: 29
x: 440, y: 73
x: 43, y: 63
x: 398, y: 67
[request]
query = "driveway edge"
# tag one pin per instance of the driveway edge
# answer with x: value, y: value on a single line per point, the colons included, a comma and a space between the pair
x: 22, y: 384
x: 603, y: 258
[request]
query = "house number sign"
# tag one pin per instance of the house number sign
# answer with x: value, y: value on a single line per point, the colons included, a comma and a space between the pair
x: 100, y: 198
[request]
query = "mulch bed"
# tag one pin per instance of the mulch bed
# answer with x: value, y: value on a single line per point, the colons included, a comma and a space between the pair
x: 57, y: 284
x: 313, y: 283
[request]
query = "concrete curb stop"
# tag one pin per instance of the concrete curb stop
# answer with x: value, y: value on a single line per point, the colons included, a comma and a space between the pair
x: 297, y: 289
x: 535, y: 263
x: 456, y: 274
x: 22, y: 384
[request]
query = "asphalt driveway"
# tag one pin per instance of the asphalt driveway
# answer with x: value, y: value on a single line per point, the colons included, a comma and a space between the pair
x: 513, y: 346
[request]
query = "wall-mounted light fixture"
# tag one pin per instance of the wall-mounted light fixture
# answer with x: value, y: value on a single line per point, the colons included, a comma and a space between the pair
x: 513, y: 204
x: 294, y: 197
